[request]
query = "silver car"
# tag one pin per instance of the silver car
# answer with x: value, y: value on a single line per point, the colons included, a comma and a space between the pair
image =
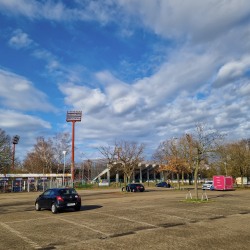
x: 208, y: 185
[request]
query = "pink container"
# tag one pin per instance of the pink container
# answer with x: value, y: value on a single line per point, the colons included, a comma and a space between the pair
x: 223, y: 182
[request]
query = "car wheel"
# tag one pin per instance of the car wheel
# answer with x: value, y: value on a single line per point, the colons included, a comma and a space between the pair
x: 54, y: 208
x: 77, y: 208
x: 37, y: 207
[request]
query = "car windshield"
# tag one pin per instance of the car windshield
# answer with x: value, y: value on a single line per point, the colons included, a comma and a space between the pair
x: 67, y: 191
x: 210, y: 182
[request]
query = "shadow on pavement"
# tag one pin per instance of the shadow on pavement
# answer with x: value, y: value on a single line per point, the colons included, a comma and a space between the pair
x: 83, y: 208
x: 89, y: 207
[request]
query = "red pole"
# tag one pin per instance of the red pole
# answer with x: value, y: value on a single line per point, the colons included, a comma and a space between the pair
x: 13, y: 156
x: 73, y: 147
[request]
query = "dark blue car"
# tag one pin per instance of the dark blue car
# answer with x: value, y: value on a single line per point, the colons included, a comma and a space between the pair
x: 162, y: 184
x: 58, y: 198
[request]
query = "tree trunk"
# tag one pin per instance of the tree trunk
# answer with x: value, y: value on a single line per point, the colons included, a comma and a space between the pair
x: 242, y: 181
x: 125, y: 181
x: 178, y: 180
x: 182, y: 178
x: 195, y: 177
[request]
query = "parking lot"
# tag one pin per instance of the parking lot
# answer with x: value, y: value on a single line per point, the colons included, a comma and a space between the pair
x: 155, y: 219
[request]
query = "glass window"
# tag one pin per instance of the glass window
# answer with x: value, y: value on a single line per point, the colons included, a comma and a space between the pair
x: 46, y: 193
x: 67, y: 191
x: 52, y: 192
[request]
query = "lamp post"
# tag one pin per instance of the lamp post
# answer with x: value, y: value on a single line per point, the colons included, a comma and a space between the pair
x: 64, y: 152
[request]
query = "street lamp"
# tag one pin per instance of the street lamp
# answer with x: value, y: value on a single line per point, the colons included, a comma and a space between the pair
x: 64, y: 152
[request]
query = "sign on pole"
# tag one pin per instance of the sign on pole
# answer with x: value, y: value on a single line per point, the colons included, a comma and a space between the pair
x: 74, y: 116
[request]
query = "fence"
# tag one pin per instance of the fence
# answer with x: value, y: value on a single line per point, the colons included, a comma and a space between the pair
x: 42, y: 185
x: 32, y: 185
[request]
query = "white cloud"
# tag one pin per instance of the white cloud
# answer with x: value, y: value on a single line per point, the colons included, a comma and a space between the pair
x: 19, y: 40
x: 207, y: 42
x: 199, y: 20
x: 13, y: 120
x: 19, y: 93
x: 83, y: 98
x: 57, y: 11
x: 26, y: 126
x: 232, y: 71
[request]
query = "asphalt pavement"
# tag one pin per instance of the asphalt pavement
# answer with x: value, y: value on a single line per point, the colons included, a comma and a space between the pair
x: 155, y: 219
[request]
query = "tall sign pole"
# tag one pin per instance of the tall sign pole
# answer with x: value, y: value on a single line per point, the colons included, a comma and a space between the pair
x: 73, y: 150
x: 15, y: 140
x: 73, y: 116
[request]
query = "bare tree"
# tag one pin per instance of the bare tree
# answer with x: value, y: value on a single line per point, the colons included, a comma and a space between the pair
x: 238, y: 158
x: 172, y: 155
x: 61, y: 143
x: 131, y: 154
x: 5, y: 152
x: 32, y: 163
x: 42, y: 156
x: 205, y: 143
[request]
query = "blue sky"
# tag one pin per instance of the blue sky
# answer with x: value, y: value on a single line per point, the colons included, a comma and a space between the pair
x: 138, y: 69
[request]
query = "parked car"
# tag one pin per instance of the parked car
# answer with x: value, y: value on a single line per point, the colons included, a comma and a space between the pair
x: 162, y: 184
x: 58, y: 199
x: 208, y: 186
x: 134, y: 187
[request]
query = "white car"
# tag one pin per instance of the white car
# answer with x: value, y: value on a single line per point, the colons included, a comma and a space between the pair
x: 208, y: 185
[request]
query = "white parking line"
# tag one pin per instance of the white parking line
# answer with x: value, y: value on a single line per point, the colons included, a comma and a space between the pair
x: 197, y: 211
x: 159, y: 214
x: 80, y: 225
x: 17, y: 221
x: 59, y: 217
x: 167, y: 215
x: 123, y: 218
x: 32, y: 243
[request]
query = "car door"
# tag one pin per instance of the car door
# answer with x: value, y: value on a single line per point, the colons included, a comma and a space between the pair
x: 46, y: 195
x: 51, y: 197
x: 41, y: 200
